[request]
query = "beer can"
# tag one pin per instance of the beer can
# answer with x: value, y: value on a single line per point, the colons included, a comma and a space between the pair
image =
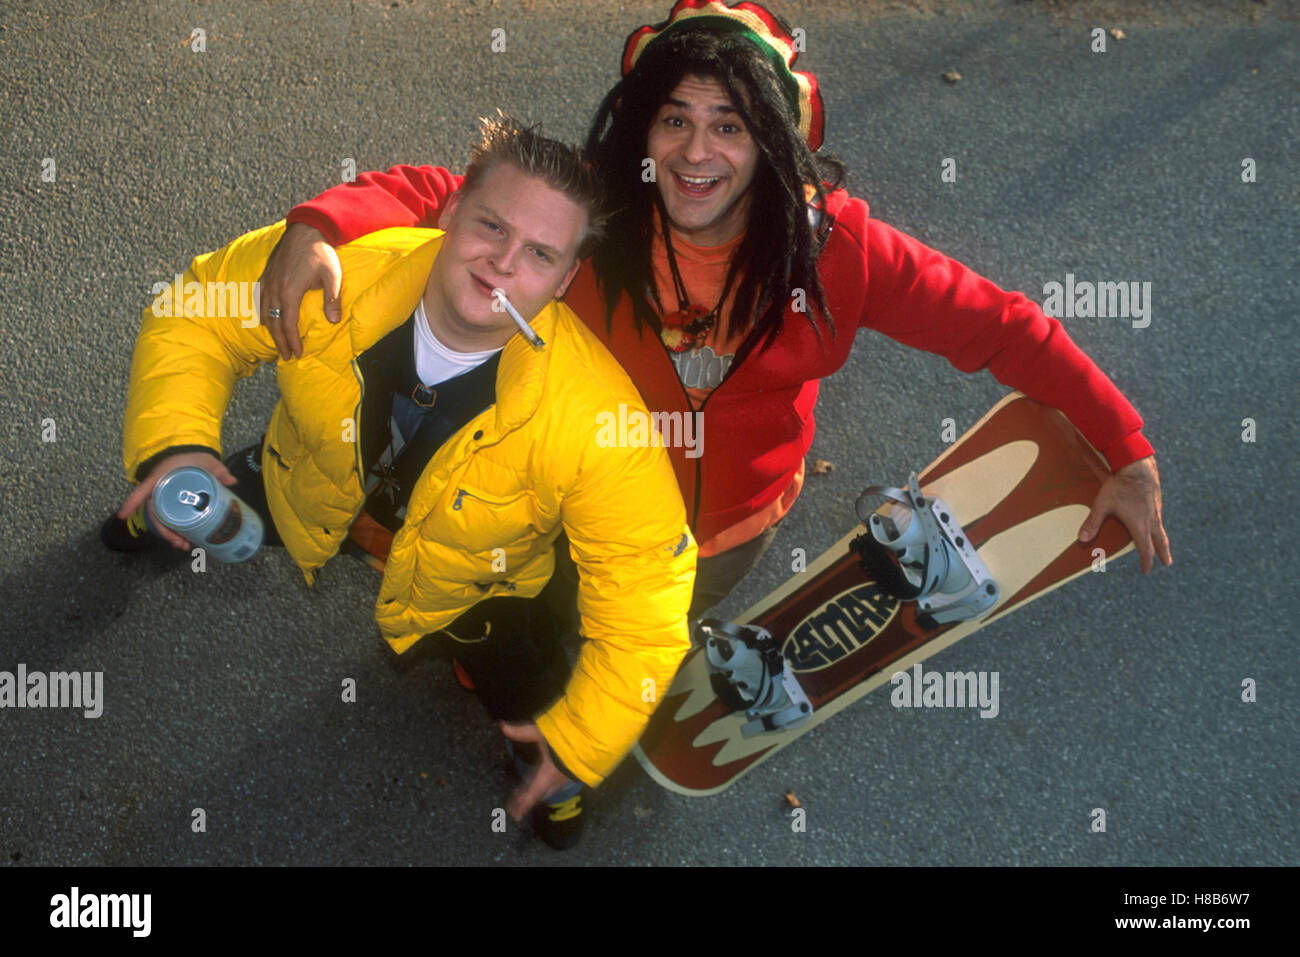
x: 192, y: 503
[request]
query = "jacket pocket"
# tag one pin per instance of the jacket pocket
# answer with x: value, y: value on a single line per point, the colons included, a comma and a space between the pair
x: 479, y: 521
x: 276, y: 457
x: 484, y: 499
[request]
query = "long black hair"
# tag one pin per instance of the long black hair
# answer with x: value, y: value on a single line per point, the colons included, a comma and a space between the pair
x: 773, y: 259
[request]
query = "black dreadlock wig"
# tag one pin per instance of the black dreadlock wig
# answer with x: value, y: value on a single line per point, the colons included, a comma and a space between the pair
x: 772, y: 260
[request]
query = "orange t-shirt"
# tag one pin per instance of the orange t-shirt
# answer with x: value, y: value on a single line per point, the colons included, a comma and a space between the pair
x: 704, y: 272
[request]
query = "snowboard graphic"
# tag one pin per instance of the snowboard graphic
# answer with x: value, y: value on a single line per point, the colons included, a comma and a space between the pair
x: 1020, y: 482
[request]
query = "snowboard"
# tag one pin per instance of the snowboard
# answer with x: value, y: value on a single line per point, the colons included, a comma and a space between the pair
x: 1020, y: 482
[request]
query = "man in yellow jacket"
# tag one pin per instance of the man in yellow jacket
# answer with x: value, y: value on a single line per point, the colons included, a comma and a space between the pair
x: 427, y: 418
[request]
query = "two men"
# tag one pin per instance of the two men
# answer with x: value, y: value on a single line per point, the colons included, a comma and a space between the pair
x: 736, y: 273
x: 426, y: 416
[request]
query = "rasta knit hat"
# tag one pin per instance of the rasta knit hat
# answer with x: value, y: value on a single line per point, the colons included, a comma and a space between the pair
x: 762, y: 28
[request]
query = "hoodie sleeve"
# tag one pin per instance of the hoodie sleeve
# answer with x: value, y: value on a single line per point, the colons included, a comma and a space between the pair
x: 403, y: 196
x: 924, y: 299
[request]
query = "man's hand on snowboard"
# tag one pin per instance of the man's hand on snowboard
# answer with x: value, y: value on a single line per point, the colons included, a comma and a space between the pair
x: 1133, y: 496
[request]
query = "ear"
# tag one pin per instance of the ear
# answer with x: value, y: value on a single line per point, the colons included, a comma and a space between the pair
x: 568, y: 278
x: 448, y: 214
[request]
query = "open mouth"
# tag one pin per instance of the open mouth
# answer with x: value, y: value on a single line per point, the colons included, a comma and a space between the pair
x: 696, y: 186
x: 483, y: 287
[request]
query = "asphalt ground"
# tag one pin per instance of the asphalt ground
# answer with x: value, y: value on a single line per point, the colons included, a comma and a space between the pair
x: 222, y: 689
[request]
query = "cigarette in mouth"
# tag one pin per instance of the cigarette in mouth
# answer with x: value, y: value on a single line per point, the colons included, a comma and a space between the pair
x: 524, y: 327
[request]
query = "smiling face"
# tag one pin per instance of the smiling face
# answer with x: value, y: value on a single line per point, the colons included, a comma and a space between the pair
x: 704, y: 160
x: 512, y: 232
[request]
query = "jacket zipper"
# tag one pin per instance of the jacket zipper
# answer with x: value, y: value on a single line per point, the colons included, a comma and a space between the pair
x: 463, y: 493
x: 356, y: 433
x: 691, y: 410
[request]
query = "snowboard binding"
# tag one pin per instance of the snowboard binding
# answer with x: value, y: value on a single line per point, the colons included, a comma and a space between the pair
x: 917, y: 552
x: 748, y: 673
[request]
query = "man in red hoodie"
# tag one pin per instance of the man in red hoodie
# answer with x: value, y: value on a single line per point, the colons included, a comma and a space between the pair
x: 736, y: 275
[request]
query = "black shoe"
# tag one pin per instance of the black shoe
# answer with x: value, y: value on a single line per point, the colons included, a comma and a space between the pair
x: 559, y: 824
x: 128, y: 535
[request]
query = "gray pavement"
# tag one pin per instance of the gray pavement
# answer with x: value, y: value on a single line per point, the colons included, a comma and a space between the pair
x: 222, y: 690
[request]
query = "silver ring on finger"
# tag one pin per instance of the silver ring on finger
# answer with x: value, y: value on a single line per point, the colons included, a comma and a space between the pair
x: 273, y: 313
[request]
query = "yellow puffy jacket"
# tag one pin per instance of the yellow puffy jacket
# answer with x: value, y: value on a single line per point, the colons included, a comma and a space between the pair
x: 494, y: 496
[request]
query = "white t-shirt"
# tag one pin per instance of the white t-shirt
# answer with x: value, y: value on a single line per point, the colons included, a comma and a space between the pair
x: 434, y: 362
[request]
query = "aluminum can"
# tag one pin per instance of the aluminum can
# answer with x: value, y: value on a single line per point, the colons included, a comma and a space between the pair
x: 191, y: 502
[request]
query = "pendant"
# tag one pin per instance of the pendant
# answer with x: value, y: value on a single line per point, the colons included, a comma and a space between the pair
x: 686, y: 328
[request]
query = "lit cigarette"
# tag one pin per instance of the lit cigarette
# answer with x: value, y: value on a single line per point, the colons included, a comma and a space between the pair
x: 524, y: 327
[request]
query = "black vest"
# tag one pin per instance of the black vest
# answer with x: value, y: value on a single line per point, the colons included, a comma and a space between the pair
x: 394, y: 399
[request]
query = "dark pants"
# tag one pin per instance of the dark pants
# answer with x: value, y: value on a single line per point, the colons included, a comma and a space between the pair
x: 511, y: 649
x: 717, y: 575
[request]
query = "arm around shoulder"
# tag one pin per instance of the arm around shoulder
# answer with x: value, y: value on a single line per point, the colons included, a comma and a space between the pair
x: 401, y: 196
